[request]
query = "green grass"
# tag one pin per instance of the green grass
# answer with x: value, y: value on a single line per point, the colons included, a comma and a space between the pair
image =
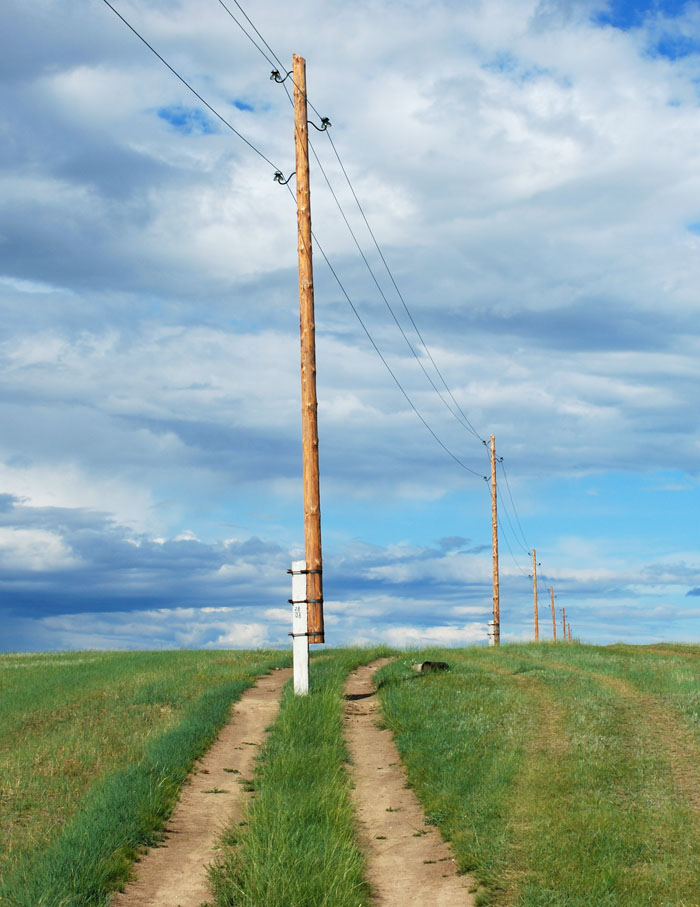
x: 561, y: 775
x: 298, y: 845
x: 93, y: 750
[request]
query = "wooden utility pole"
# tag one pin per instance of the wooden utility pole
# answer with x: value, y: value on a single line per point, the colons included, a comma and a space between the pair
x: 534, y: 586
x: 554, y: 620
x: 309, y: 404
x: 569, y: 626
x: 494, y: 538
x: 563, y: 623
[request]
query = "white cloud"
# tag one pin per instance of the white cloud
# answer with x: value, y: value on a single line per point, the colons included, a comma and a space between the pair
x: 34, y: 550
x: 404, y: 637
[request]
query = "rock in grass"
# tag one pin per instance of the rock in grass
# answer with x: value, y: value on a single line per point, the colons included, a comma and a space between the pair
x: 426, y: 666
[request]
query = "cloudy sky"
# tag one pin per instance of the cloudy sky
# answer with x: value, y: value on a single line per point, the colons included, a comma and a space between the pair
x: 531, y: 171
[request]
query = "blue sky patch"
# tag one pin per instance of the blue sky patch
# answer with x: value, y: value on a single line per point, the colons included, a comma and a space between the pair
x: 694, y: 227
x: 627, y: 14
x: 675, y: 47
x: 187, y: 120
x: 243, y: 105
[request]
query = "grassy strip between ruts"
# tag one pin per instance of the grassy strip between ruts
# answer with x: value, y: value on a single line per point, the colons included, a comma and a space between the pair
x: 167, y: 706
x: 553, y: 786
x: 298, y: 846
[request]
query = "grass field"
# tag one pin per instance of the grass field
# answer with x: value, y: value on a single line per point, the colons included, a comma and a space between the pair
x: 93, y: 750
x: 562, y: 775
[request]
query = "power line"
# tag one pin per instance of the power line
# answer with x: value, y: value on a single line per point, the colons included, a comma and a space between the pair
x: 460, y: 415
x: 515, y: 510
x: 386, y: 364
x: 258, y: 48
x: 267, y: 160
x: 505, y: 508
x: 273, y: 63
x: 464, y: 424
x: 364, y: 326
x: 399, y: 293
x: 390, y: 370
x: 463, y: 420
x: 504, y: 535
x: 190, y: 88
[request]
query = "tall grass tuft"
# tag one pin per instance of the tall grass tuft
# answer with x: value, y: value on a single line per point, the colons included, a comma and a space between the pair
x: 299, y: 847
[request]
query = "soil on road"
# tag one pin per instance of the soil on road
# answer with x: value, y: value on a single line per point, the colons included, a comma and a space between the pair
x: 175, y: 874
x: 408, y: 862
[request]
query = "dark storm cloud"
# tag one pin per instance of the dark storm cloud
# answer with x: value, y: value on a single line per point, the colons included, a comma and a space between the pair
x: 108, y: 568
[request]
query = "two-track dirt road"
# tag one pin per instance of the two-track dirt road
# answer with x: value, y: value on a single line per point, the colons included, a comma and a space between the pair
x: 408, y: 863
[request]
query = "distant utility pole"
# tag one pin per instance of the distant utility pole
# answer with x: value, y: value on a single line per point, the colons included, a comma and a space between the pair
x: 534, y: 586
x: 496, y: 639
x: 309, y: 404
x: 554, y: 620
x: 563, y: 623
x: 569, y: 625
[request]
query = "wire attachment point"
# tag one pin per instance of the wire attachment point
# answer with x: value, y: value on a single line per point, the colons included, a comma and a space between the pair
x: 325, y: 123
x: 276, y: 77
x: 279, y: 177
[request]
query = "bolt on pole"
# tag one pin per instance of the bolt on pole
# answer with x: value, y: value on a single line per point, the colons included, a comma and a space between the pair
x: 494, y: 537
x: 307, y: 330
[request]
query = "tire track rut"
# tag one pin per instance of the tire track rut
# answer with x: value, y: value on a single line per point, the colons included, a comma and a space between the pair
x: 175, y: 874
x: 408, y: 863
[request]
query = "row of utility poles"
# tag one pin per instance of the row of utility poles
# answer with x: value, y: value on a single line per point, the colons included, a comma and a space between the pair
x: 565, y: 628
x: 307, y: 575
x: 495, y: 623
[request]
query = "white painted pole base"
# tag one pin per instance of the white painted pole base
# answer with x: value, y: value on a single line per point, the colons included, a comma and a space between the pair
x: 300, y: 640
x: 492, y: 632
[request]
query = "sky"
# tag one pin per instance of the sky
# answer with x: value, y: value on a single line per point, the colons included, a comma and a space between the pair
x: 530, y: 171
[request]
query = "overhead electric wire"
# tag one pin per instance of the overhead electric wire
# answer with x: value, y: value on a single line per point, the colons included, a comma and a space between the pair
x: 335, y: 275
x: 384, y: 361
x: 505, y: 510
x: 468, y: 425
x: 504, y: 535
x: 515, y: 511
x: 190, y: 88
x: 398, y: 324
x: 464, y: 420
x: 390, y: 370
x: 504, y: 506
x: 460, y: 415
x: 273, y: 63
x: 257, y: 46
x: 398, y: 291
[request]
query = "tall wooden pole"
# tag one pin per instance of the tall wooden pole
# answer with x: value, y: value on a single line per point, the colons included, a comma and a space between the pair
x: 309, y: 405
x: 494, y: 538
x: 563, y: 623
x: 534, y: 586
x: 554, y: 620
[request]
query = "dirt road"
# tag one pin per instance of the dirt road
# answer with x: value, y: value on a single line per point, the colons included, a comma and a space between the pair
x: 175, y: 875
x: 408, y: 862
